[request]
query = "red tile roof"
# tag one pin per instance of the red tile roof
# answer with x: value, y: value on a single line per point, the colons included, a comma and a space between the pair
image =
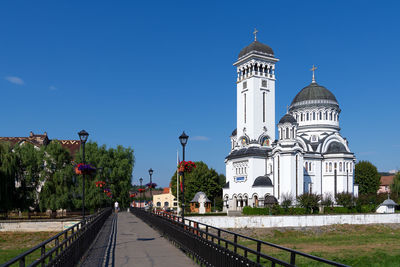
x: 42, y: 139
x: 165, y: 190
x: 387, y: 180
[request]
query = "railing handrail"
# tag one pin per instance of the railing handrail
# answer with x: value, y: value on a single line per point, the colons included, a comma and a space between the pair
x: 245, y: 237
x: 80, y: 226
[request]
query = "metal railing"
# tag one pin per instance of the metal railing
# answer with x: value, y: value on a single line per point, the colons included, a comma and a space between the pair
x: 212, y: 246
x: 65, y: 248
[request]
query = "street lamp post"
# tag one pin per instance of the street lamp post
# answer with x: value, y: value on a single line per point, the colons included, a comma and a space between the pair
x: 151, y: 187
x: 141, y: 180
x: 183, y: 139
x: 83, y: 136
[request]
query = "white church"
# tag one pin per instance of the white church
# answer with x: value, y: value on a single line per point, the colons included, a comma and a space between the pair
x: 308, y: 155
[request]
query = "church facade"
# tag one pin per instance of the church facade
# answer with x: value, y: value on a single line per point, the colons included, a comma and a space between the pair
x: 309, y: 155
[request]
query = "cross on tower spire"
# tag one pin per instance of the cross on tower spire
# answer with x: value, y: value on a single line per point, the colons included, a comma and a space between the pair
x: 255, y: 34
x: 313, y: 73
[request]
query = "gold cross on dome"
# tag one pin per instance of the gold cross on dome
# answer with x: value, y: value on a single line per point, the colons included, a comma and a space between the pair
x: 313, y: 73
x: 255, y: 34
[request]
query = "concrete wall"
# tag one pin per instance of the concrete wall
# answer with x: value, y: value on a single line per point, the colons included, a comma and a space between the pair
x: 295, y: 221
x: 35, y: 226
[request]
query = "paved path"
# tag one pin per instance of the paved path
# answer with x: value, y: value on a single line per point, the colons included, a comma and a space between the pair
x: 125, y: 240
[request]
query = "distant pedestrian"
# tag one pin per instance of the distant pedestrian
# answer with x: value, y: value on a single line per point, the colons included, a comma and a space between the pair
x: 116, y: 206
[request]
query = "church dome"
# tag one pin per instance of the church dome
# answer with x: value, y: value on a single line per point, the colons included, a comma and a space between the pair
x: 336, y: 147
x: 287, y: 118
x: 262, y: 181
x: 313, y: 92
x: 256, y: 46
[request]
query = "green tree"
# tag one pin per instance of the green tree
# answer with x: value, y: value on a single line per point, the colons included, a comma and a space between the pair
x: 8, y: 173
x: 116, y: 170
x: 30, y: 164
x: 395, y: 186
x: 201, y: 179
x: 344, y: 199
x: 367, y: 177
x: 57, y: 177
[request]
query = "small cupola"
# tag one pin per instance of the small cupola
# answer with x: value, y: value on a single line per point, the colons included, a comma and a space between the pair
x: 287, y: 127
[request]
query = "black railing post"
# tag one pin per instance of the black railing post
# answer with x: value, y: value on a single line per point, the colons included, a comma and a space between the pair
x: 22, y: 262
x: 235, y: 242
x: 293, y: 258
x: 258, y: 251
x: 219, y: 236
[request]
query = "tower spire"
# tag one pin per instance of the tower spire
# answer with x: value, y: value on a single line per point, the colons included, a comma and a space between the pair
x: 313, y: 73
x: 255, y: 34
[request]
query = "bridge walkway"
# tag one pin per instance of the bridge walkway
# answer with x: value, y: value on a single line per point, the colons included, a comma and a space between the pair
x: 125, y: 240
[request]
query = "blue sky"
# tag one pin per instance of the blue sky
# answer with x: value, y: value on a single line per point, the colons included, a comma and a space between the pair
x: 139, y: 73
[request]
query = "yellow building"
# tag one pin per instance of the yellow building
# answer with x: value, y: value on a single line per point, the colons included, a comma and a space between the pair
x: 165, y: 200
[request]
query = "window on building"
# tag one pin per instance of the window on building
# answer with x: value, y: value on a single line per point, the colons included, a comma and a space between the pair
x: 320, y: 115
x: 301, y: 117
x: 313, y: 116
x: 264, y: 83
x: 340, y: 166
x: 306, y: 165
x: 287, y: 133
x: 330, y: 166
x: 244, y: 85
x: 297, y: 117
x: 326, y: 167
x: 175, y: 204
x: 335, y: 166
x: 308, y: 116
x: 158, y: 204
x: 347, y: 166
x: 330, y: 116
x: 326, y: 115
x: 309, y: 166
x: 166, y: 204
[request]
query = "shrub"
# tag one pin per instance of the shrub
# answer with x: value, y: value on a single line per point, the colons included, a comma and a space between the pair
x: 309, y: 201
x: 287, y: 200
x: 327, y: 200
x: 344, y: 199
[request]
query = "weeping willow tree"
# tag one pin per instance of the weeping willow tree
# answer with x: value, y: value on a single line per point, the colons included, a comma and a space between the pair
x: 8, y: 174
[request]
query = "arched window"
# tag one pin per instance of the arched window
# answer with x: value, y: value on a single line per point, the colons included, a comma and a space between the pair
x: 301, y: 117
x: 330, y: 116
x: 287, y: 133
x: 158, y: 204
x: 340, y: 166
x: 335, y: 166
x: 166, y: 204
x: 306, y: 165
x: 347, y: 166
x: 326, y: 115
x: 320, y: 115
x: 309, y: 166
x: 330, y: 166
x: 308, y: 116
x: 297, y: 117
x: 326, y: 166
x: 313, y: 116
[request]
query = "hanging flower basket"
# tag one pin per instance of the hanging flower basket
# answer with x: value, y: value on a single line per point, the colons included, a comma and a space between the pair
x: 132, y: 195
x: 100, y: 184
x: 141, y: 190
x: 84, y: 169
x: 151, y: 185
x: 186, y: 166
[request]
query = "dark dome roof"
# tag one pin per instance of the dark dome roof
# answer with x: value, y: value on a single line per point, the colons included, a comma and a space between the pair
x: 314, y: 92
x: 287, y: 118
x: 234, y: 132
x: 336, y: 147
x: 258, y: 47
x: 262, y: 181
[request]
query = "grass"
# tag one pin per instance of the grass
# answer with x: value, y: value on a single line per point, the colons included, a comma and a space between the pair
x: 355, y: 245
x: 13, y: 244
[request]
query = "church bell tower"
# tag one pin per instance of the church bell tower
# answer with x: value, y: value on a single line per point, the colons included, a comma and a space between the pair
x: 256, y: 94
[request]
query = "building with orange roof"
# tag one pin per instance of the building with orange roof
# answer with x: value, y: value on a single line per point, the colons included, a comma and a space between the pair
x: 386, y: 182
